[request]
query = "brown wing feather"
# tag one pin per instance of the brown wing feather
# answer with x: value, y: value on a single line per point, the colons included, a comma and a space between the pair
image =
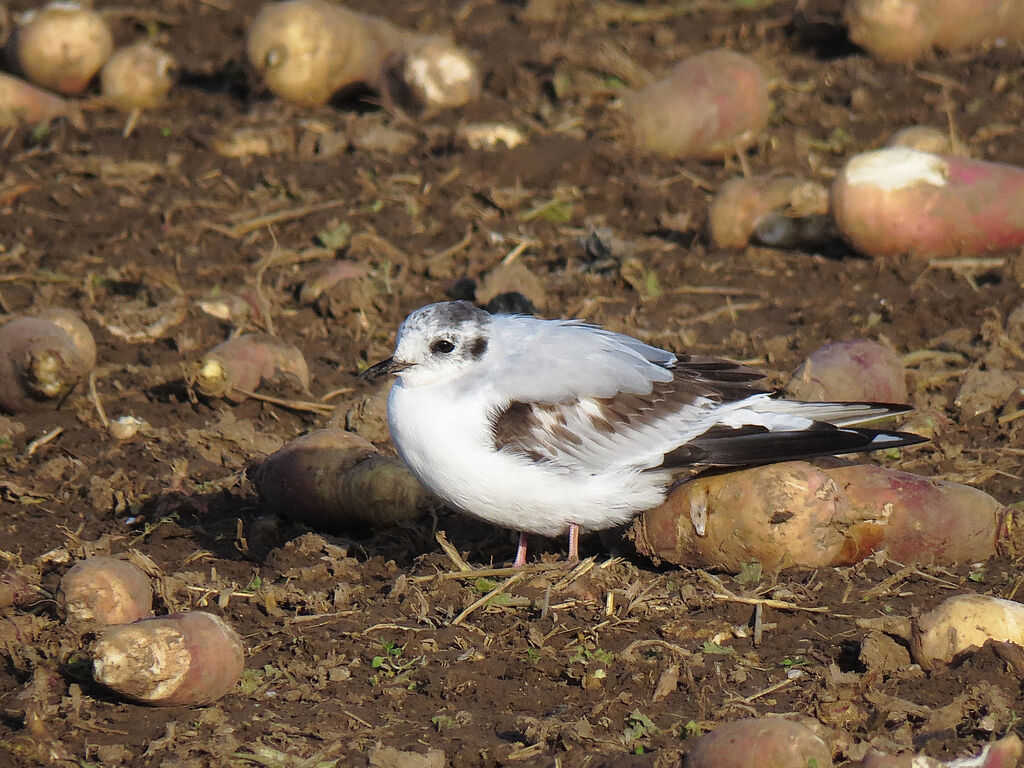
x: 544, y: 431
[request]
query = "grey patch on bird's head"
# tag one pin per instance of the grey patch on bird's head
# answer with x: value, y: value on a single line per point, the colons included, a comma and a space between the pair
x: 441, y: 341
x: 477, y: 347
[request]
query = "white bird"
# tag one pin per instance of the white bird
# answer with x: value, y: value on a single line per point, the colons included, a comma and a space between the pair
x: 548, y: 426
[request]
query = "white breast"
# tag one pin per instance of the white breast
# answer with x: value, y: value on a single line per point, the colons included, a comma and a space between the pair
x: 448, y: 444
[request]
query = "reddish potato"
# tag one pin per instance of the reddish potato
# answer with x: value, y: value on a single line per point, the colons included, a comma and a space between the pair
x: 183, y: 659
x: 332, y: 479
x: 105, y: 590
x: 23, y: 102
x: 40, y: 362
x: 794, y: 514
x: 137, y: 77
x: 760, y: 742
x: 61, y: 46
x: 895, y: 201
x: 710, y: 106
x: 905, y: 30
x: 240, y: 365
x: 858, y: 369
x: 309, y: 50
x: 743, y: 204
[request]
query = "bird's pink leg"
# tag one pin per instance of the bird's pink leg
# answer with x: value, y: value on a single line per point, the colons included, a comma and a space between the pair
x: 521, y: 550
x: 574, y: 542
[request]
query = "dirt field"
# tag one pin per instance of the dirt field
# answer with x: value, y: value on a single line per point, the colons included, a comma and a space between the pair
x: 357, y: 639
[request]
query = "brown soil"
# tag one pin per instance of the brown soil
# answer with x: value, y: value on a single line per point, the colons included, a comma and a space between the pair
x: 352, y: 639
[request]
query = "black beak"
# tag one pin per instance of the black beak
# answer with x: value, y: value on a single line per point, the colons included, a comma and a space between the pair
x: 383, y: 367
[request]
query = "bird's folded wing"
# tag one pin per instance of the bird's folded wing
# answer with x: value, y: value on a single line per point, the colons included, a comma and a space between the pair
x: 626, y: 429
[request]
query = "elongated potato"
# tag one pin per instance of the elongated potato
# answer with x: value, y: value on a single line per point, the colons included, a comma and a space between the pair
x: 760, y: 742
x: 796, y: 514
x: 309, y: 50
x: 898, y: 201
x: 104, y: 591
x: 710, y: 106
x: 333, y: 479
x: 179, y: 660
x: 905, y: 30
x: 22, y: 102
x: 857, y: 369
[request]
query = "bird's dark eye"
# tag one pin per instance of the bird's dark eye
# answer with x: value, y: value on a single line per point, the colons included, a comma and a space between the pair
x: 441, y: 346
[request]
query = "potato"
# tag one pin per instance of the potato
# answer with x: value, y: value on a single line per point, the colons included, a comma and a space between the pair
x: 21, y: 102
x: 854, y: 370
x: 105, y: 590
x: 40, y: 362
x: 61, y: 46
x: 18, y: 587
x: 1002, y: 753
x: 794, y: 514
x: 905, y: 30
x: 137, y: 77
x: 924, y: 138
x: 183, y: 659
x: 742, y: 204
x: 309, y: 50
x: 241, y: 364
x: 901, y: 201
x: 962, y: 622
x: 331, y: 479
x: 760, y: 742
x: 709, y: 107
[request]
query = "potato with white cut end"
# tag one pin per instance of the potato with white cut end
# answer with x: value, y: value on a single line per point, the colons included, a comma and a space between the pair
x: 184, y: 659
x: 309, y: 50
x: 962, y: 622
x: 105, y: 590
x: 61, y: 46
x: 137, y: 77
x: 896, y: 201
x: 42, y: 359
x: 710, y: 106
x: 241, y: 364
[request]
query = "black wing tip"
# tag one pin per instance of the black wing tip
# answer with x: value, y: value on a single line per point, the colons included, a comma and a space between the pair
x: 764, y: 447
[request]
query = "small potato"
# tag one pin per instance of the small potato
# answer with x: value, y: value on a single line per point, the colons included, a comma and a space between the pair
x: 962, y: 622
x: 744, y: 203
x: 104, y: 590
x: 898, y: 201
x: 137, y: 77
x: 40, y: 362
x: 61, y: 46
x: 331, y: 479
x: 184, y: 659
x: 924, y: 138
x: 854, y: 370
x: 709, y: 107
x: 242, y: 364
x: 760, y: 742
x: 439, y: 74
x: 22, y: 102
